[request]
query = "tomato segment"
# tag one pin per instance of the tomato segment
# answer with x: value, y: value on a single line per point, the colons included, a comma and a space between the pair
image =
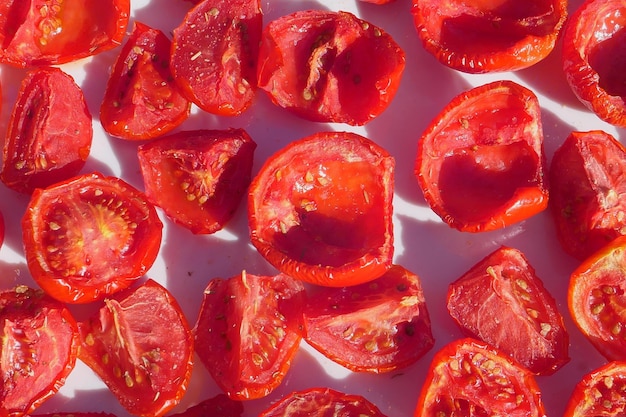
x: 220, y: 405
x: 601, y: 392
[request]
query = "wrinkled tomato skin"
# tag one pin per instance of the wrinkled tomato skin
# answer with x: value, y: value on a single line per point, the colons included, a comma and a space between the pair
x: 220, y: 406
x: 481, y: 163
x: 50, y: 132
x: 601, y: 392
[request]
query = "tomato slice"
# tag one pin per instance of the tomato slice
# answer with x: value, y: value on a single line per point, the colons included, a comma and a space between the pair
x: 50, y: 132
x: 198, y: 177
x: 89, y: 236
x: 320, y: 209
x: 220, y: 406
x: 248, y: 331
x: 480, y: 163
x: 62, y: 414
x: 378, y: 326
x: 501, y: 301
x: 471, y: 378
x: 141, y: 100
x: 141, y: 345
x: 601, y: 392
x: 329, y: 66
x: 39, y: 348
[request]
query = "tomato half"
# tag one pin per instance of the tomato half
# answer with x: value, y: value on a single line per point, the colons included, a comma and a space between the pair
x: 378, y: 326
x: 50, y: 132
x: 248, y: 331
x: 601, y: 392
x: 320, y: 209
x: 62, y: 414
x: 501, y: 301
x: 480, y: 163
x: 219, y: 406
x: 198, y: 177
x: 329, y: 66
x: 89, y: 236
x: 141, y: 345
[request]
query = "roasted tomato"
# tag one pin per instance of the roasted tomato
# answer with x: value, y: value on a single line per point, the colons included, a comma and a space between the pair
x: 329, y: 66
x: 378, y: 326
x: 87, y: 414
x: 47, y: 32
x: 601, y: 392
x: 248, y: 331
x: 39, y: 348
x: 141, y: 100
x: 594, y: 58
x: 320, y: 209
x: 214, y: 54
x: 50, y: 133
x: 501, y: 301
x: 491, y: 35
x: 141, y: 345
x: 198, y: 177
x: 89, y: 236
x: 219, y: 406
x: 471, y: 378
x: 480, y: 163
x: 588, y: 192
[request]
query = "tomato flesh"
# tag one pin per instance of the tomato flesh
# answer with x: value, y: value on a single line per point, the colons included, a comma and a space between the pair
x: 601, y: 392
x: 220, y: 405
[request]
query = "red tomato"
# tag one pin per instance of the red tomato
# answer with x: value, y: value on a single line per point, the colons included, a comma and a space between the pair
x: 142, y: 100
x: 89, y: 237
x: 248, y: 331
x: 74, y: 415
x: 47, y: 32
x: 489, y: 35
x: 471, y: 378
x: 480, y: 163
x: 39, y: 348
x: 50, y: 133
x: 198, y: 177
x: 378, y: 326
x: 601, y: 392
x: 320, y: 209
x: 594, y: 58
x: 329, y: 66
x: 141, y: 345
x: 218, y: 406
x: 588, y: 192
x: 214, y: 54
x: 501, y: 301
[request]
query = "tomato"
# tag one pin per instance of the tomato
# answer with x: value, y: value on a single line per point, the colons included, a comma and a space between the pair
x: 87, y: 414
x: 39, y: 348
x: 594, y: 58
x: 587, y: 191
x: 480, y: 163
x: 140, y: 344
x: 50, y: 133
x: 501, y: 301
x: 141, y: 100
x: 248, y: 331
x: 214, y: 54
x: 220, y: 406
x: 329, y: 66
x: 48, y: 32
x: 601, y: 392
x: 89, y: 236
x: 198, y: 177
x: 378, y: 326
x: 320, y: 209
x: 470, y: 378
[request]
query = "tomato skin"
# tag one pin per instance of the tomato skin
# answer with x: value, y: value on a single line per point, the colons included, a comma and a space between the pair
x: 320, y: 209
x: 601, y: 392
x: 329, y: 66
x: 87, y: 414
x: 480, y: 163
x: 220, y: 405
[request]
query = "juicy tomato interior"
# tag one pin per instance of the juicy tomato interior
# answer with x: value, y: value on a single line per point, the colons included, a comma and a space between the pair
x: 600, y: 392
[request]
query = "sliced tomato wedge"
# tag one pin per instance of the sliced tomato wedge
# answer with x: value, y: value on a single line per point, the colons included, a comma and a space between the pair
x: 220, y: 406
x: 68, y: 414
x: 601, y: 392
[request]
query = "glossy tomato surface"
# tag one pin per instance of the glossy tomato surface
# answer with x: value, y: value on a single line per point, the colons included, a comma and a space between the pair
x: 601, y: 392
x: 220, y: 405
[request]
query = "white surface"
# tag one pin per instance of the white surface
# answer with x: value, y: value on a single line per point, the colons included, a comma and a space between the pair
x: 424, y: 244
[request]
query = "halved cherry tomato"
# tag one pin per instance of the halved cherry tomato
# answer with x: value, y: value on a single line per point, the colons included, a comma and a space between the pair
x: 198, y: 177
x: 141, y: 100
x: 248, y: 331
x: 329, y: 66
x: 141, y: 345
x: 320, y: 209
x: 39, y: 348
x: 47, y: 32
x: 50, y: 132
x: 501, y: 301
x: 378, y: 326
x: 471, y: 378
x: 489, y: 35
x: 214, y: 54
x: 594, y: 58
x: 219, y: 406
x: 601, y: 392
x: 588, y: 192
x: 480, y: 163
x: 89, y: 236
